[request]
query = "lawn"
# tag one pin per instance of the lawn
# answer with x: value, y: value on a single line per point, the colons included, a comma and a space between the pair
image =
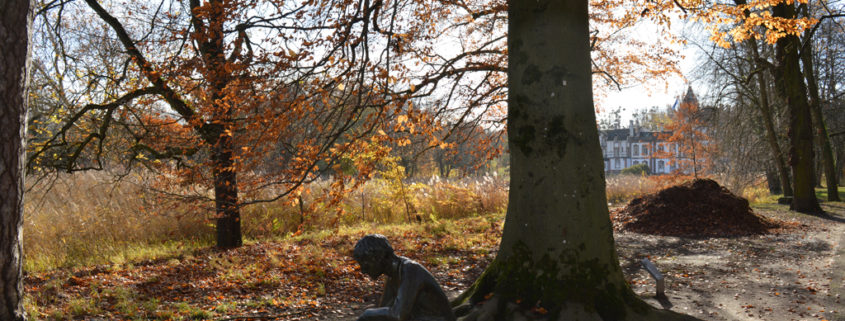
x: 821, y: 193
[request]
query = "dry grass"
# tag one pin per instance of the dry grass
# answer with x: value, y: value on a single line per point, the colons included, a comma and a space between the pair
x: 380, y: 202
x: 622, y: 188
x: 86, y: 219
x: 90, y: 219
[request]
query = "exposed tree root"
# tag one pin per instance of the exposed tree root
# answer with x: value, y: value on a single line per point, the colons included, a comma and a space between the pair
x: 481, y: 302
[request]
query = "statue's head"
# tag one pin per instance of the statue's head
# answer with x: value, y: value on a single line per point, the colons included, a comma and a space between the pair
x: 373, y: 253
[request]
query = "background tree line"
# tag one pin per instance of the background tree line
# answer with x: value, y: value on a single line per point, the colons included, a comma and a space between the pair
x: 752, y: 126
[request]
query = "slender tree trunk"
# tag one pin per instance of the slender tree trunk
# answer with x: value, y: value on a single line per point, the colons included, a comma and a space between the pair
x: 773, y: 180
x: 766, y: 111
x: 226, y: 195
x: 301, y: 211
x: 692, y: 151
x: 841, y: 168
x: 842, y: 171
x: 790, y: 83
x: 225, y: 170
x: 15, y: 31
x: 818, y: 165
x: 557, y: 247
x: 768, y: 122
x: 818, y: 120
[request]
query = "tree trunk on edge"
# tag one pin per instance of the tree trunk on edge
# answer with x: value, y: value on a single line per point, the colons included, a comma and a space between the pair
x: 790, y: 84
x: 557, y: 248
x: 819, y: 123
x: 15, y: 28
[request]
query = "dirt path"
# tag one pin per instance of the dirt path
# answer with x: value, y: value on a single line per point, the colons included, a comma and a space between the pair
x: 792, y: 276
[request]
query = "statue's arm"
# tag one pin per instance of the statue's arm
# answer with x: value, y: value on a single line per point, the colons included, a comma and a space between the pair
x: 406, y: 296
x: 388, y: 294
x: 377, y: 314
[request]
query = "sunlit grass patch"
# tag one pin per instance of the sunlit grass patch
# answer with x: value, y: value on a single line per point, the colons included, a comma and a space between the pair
x: 759, y: 195
x: 189, y: 312
x: 622, y: 188
x: 821, y: 193
x: 81, y: 306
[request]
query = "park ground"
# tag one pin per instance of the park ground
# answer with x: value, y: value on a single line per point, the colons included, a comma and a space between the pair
x: 791, y: 274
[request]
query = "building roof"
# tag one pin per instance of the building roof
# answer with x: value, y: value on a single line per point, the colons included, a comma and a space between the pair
x: 690, y: 97
x: 625, y: 134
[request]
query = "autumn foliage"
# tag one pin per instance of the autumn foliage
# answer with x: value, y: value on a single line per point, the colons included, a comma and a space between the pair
x: 688, y: 146
x: 242, y: 103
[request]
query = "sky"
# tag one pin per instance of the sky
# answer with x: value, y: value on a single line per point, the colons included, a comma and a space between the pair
x: 640, y: 98
x: 660, y: 94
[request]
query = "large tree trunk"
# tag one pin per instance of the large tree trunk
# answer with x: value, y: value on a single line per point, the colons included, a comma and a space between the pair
x: 790, y: 84
x: 557, y: 248
x: 15, y: 29
x: 818, y: 120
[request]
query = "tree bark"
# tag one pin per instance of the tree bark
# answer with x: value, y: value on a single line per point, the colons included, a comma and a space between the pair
x: 766, y: 111
x: 818, y: 121
x: 790, y: 84
x: 226, y: 195
x: 557, y: 247
x: 768, y: 122
x: 773, y: 179
x: 225, y: 171
x: 15, y: 30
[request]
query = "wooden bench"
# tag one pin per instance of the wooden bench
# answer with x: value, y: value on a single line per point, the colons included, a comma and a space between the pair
x: 658, y: 277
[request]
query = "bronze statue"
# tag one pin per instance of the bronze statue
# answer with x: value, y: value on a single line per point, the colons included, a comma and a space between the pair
x: 410, y: 292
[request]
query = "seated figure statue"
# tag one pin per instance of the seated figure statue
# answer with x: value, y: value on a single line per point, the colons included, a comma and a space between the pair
x: 410, y: 292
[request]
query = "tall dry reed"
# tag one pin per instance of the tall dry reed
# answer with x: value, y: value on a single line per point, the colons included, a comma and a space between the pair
x: 90, y: 218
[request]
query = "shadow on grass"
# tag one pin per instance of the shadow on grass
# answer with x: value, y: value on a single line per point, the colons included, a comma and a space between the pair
x: 821, y: 193
x: 833, y: 211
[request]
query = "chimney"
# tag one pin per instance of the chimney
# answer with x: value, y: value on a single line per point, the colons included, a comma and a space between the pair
x: 631, y: 128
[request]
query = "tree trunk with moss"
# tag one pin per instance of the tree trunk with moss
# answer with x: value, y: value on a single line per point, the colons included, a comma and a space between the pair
x: 557, y: 259
x: 15, y: 23
x: 790, y: 84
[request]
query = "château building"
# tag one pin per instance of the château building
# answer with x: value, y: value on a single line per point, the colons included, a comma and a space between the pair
x: 623, y: 148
